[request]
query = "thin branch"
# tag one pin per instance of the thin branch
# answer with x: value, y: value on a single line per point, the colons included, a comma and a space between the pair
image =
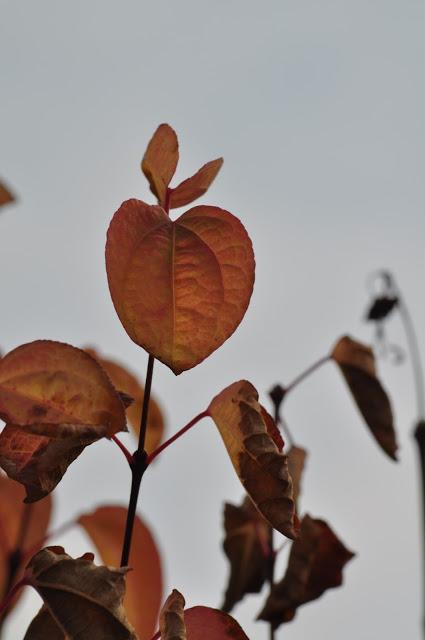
x: 164, y: 445
x: 305, y: 374
x: 138, y: 467
x: 126, y: 452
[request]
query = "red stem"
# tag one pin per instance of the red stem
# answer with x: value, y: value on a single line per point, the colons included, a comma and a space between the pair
x: 156, y: 636
x: 189, y: 425
x: 126, y: 452
x: 8, y: 599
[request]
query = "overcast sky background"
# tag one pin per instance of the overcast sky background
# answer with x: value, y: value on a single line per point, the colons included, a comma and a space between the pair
x: 318, y: 109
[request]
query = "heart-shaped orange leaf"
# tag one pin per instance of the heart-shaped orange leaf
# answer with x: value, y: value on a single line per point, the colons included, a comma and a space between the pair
x: 247, y: 547
x: 160, y: 160
x: 84, y: 600
x: 126, y: 382
x: 357, y: 364
x: 195, y: 186
x: 142, y: 601
x: 315, y: 564
x: 38, y: 455
x: 261, y: 467
x: 180, y: 288
x: 51, y: 382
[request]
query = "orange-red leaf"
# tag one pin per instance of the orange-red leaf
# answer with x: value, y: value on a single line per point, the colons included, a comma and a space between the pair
x: 38, y: 455
x: 126, y: 382
x: 247, y: 547
x: 357, y: 364
x: 205, y: 623
x: 179, y: 288
x: 51, y: 382
x: 195, y: 186
x: 105, y: 526
x: 315, y: 564
x: 160, y: 160
x: 5, y: 195
x: 11, y: 513
x: 171, y: 621
x: 84, y: 600
x: 261, y: 467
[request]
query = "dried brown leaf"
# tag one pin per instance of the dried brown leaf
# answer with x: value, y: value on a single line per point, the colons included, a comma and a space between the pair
x: 38, y: 455
x: 261, y: 467
x: 315, y: 564
x: 247, y: 547
x: 357, y: 364
x: 84, y: 600
x: 296, y: 462
x: 171, y: 621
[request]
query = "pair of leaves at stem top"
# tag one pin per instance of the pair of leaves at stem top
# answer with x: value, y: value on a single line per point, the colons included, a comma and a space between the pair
x: 85, y: 601
x: 55, y: 399
x: 180, y: 288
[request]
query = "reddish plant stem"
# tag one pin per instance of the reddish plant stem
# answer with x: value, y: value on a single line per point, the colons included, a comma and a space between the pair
x: 4, y: 605
x: 126, y: 452
x: 15, y: 555
x: 156, y: 636
x: 176, y: 436
x: 138, y: 467
x: 305, y: 374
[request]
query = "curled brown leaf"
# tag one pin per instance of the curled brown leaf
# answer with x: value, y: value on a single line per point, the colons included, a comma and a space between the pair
x: 261, y: 467
x: 315, y: 564
x: 357, y: 364
x: 84, y: 600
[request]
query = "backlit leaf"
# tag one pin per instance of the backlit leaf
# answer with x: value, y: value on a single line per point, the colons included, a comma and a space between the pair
x: 296, y: 462
x: 126, y: 382
x: 5, y: 195
x: 261, y: 467
x: 195, y: 186
x: 205, y: 623
x: 51, y: 382
x: 247, y: 547
x: 160, y: 160
x: 315, y: 564
x: 105, y: 526
x: 357, y: 364
x: 171, y: 621
x: 11, y: 511
x: 38, y: 455
x: 180, y: 288
x: 85, y: 600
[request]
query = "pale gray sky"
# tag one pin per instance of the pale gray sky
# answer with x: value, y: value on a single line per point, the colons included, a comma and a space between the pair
x: 318, y: 110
